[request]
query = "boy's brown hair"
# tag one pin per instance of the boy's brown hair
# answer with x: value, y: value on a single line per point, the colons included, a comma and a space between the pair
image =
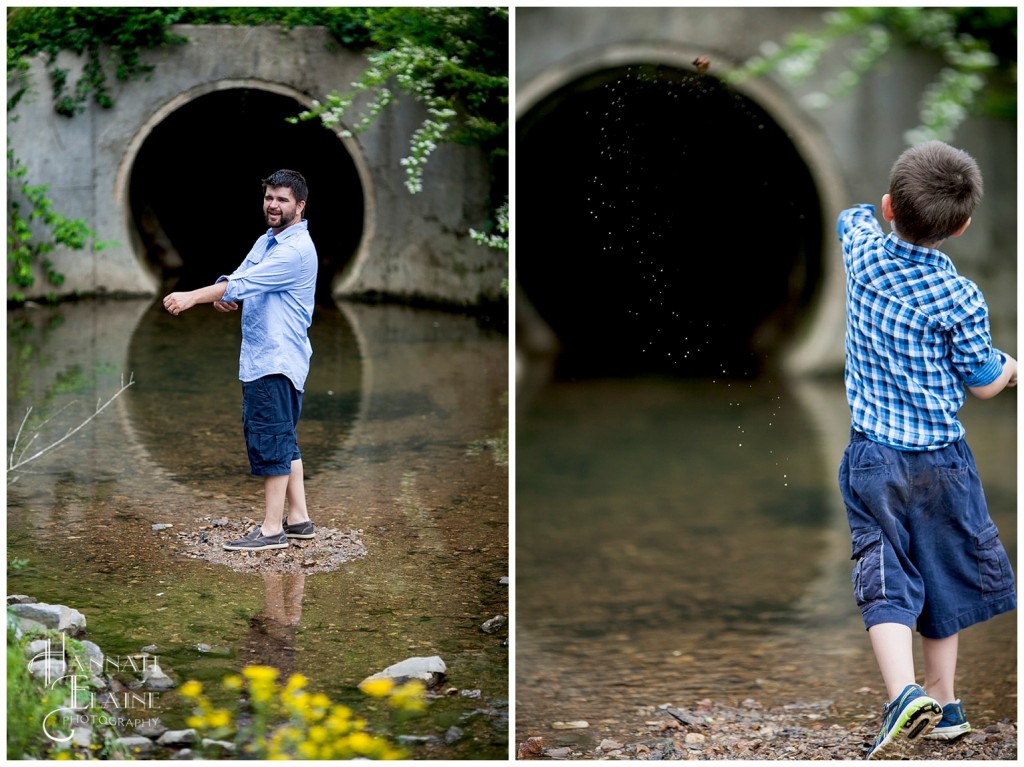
x: 933, y: 189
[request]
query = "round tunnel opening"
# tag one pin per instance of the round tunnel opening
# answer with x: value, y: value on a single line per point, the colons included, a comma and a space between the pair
x: 196, y: 193
x: 668, y: 225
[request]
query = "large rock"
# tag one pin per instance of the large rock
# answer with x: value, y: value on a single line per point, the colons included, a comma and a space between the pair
x: 431, y: 671
x: 48, y: 669
x: 178, y: 738
x: 58, y: 617
x: 133, y: 745
x: 154, y: 678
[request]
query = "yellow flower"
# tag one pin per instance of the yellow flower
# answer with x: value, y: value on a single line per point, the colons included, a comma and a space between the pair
x: 295, y: 681
x: 377, y: 688
x: 232, y: 682
x: 260, y: 673
x: 219, y: 717
x: 196, y: 722
x: 318, y: 733
x: 361, y: 743
x: 191, y: 689
x: 340, y: 720
x: 261, y: 693
x: 409, y: 697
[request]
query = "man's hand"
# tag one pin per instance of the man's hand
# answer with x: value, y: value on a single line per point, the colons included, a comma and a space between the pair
x: 176, y: 303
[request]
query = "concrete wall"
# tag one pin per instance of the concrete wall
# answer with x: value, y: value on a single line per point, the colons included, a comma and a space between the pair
x: 849, y: 148
x: 412, y: 245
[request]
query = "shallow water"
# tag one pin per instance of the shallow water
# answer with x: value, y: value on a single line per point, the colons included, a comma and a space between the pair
x: 685, y: 539
x: 404, y: 435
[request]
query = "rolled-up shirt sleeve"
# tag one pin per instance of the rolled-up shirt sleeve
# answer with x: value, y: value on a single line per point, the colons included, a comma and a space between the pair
x: 974, y: 358
x: 277, y: 270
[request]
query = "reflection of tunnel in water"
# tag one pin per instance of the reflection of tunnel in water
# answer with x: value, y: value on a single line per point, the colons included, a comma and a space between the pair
x: 186, y: 404
x: 195, y: 186
x: 666, y: 224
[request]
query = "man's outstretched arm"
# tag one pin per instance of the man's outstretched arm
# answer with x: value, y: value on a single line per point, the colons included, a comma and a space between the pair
x: 176, y: 303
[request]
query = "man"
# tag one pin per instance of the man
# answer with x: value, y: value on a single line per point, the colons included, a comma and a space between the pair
x: 276, y: 283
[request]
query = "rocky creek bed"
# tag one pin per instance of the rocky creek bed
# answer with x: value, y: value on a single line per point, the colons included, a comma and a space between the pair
x: 205, y: 536
x: 126, y: 734
x: 749, y: 731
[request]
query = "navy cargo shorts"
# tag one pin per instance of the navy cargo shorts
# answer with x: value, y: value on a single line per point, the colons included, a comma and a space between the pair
x: 926, y: 551
x: 270, y: 412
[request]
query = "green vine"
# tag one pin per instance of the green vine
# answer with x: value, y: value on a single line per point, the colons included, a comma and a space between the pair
x: 119, y: 33
x: 977, y: 46
x: 34, y: 226
x: 24, y: 248
x: 451, y: 60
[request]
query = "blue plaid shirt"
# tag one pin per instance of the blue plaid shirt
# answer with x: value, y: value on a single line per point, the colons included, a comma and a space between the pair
x: 277, y: 285
x: 916, y: 333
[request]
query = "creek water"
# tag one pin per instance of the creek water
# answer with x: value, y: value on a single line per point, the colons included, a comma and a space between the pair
x: 685, y: 539
x: 404, y: 434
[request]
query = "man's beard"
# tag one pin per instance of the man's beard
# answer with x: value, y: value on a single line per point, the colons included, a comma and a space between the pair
x: 284, y: 223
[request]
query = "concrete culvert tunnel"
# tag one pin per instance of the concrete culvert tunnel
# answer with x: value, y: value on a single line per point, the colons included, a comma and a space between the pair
x: 667, y: 225
x: 196, y: 198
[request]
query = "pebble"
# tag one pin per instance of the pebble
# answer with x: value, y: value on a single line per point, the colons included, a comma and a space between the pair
x: 579, y: 724
x: 494, y: 625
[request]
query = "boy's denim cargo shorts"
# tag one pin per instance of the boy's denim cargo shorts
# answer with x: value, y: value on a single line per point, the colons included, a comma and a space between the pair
x: 926, y: 551
x: 270, y: 412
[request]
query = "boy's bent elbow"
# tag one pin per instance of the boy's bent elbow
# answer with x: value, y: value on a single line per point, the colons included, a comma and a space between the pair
x: 985, y: 392
x: 1006, y: 379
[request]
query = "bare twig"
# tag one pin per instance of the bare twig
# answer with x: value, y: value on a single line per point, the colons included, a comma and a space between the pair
x: 21, y: 461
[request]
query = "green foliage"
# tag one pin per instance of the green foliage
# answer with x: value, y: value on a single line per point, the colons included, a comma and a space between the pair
x: 24, y: 248
x: 977, y: 46
x: 452, y: 60
x: 25, y: 706
x: 347, y: 25
x: 91, y: 32
x: 28, y: 702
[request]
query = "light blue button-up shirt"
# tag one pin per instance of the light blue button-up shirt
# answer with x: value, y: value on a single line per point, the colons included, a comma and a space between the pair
x: 276, y: 284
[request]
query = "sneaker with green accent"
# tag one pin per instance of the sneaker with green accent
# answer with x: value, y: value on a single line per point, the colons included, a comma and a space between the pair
x: 954, y: 723
x: 910, y: 717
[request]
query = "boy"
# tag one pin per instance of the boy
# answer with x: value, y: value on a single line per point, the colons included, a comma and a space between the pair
x: 927, y: 553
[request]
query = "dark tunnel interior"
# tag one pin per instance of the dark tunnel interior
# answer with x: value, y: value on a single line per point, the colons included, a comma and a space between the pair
x: 665, y: 224
x: 196, y: 193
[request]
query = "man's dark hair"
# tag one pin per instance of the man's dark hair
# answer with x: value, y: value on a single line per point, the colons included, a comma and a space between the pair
x: 291, y: 179
x: 934, y: 189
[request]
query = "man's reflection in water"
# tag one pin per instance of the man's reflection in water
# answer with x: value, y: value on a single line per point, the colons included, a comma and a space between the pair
x: 272, y: 631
